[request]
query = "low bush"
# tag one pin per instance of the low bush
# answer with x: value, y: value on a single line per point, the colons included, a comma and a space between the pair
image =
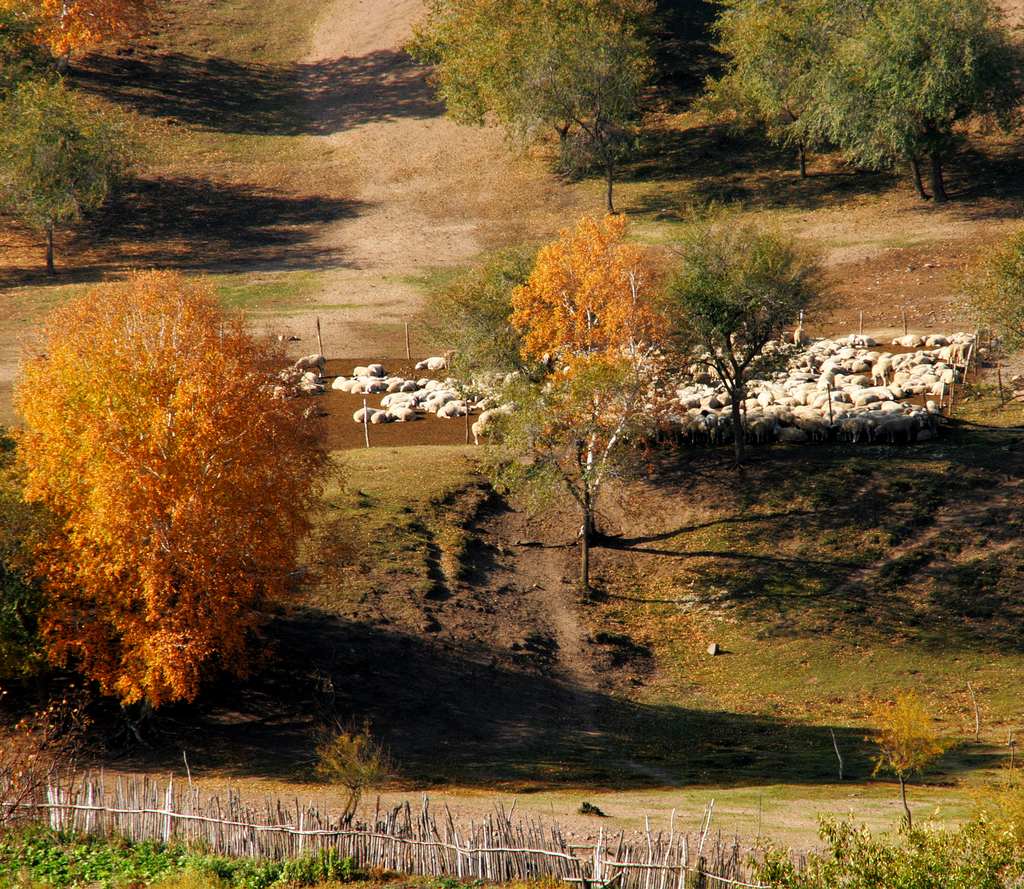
x: 977, y: 855
x: 37, y: 856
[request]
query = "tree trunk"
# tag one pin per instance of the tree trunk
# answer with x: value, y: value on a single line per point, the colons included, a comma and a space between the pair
x: 610, y: 174
x: 737, y: 427
x: 50, y: 267
x: 938, y: 184
x: 903, y: 796
x: 915, y: 167
x: 585, y: 535
x: 802, y: 155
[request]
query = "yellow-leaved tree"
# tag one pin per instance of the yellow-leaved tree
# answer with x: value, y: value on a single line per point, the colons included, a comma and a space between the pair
x: 69, y: 25
x: 589, y: 312
x: 181, y: 486
x: 907, y: 741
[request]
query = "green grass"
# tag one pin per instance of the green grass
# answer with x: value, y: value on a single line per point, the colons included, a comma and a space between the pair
x: 834, y: 577
x: 59, y: 860
x: 398, y: 513
x: 273, y: 293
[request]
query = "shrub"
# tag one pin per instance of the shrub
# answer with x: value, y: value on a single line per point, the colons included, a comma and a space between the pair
x: 355, y: 760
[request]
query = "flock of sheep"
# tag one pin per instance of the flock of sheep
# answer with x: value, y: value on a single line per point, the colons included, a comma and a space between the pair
x: 848, y: 388
x: 403, y: 400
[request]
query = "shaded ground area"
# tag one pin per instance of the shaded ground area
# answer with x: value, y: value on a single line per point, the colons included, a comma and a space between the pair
x: 829, y: 576
x: 194, y: 224
x: 231, y: 96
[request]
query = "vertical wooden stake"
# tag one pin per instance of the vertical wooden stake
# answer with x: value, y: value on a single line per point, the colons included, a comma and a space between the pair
x: 999, y: 379
x: 839, y: 756
x: 319, y: 338
x: 467, y: 421
x: 977, y: 713
x: 904, y: 320
x: 366, y: 422
x: 828, y: 389
x: 408, y: 348
x: 862, y: 323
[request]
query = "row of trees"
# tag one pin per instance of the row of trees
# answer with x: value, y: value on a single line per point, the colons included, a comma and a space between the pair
x: 889, y: 82
x: 157, y: 495
x: 599, y: 331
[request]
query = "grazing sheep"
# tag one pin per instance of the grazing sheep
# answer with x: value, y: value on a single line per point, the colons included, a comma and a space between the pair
x: 312, y: 363
x: 433, y: 364
x: 486, y: 420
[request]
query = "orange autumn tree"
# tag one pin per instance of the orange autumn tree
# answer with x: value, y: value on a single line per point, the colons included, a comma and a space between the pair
x: 181, y: 486
x: 588, y: 310
x: 69, y: 25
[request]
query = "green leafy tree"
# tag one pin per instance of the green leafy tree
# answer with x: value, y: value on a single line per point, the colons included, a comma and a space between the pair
x: 471, y: 315
x: 575, y: 67
x: 21, y: 55
x: 737, y: 288
x: 997, y: 291
x: 897, y: 89
x: 907, y: 740
x: 22, y: 526
x: 574, y: 433
x: 60, y: 156
x: 773, y: 62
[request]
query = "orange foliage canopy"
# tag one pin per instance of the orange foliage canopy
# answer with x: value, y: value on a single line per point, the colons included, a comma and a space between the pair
x: 590, y: 297
x: 181, y: 485
x: 67, y: 25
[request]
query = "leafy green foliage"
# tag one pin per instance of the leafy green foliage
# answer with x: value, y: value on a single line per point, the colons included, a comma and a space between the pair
x: 60, y: 155
x: 21, y: 525
x: 898, y: 86
x: 774, y: 54
x: 996, y: 291
x: 471, y: 314
x: 736, y: 289
x: 62, y: 860
x: 536, y: 66
x: 21, y: 55
x: 354, y: 759
x: 975, y: 856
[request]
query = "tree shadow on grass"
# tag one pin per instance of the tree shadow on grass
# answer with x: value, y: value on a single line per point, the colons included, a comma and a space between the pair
x: 465, y: 715
x: 198, y: 225
x: 719, y: 164
x: 227, y: 96
x: 860, y: 542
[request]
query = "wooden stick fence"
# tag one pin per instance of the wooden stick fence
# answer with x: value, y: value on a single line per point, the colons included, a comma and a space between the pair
x: 498, y: 848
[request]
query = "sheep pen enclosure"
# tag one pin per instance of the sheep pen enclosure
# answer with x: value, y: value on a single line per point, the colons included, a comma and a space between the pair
x: 848, y: 388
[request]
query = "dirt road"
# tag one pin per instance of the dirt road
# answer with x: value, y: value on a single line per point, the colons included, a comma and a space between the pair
x: 431, y: 193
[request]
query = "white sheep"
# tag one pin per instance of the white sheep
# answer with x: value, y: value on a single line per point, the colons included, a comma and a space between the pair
x: 487, y: 419
x: 315, y: 363
x: 433, y: 364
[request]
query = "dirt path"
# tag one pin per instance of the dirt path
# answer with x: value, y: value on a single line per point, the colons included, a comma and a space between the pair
x: 431, y: 193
